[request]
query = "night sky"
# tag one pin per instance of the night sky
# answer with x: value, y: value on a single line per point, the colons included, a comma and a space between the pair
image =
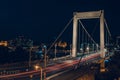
x: 43, y: 20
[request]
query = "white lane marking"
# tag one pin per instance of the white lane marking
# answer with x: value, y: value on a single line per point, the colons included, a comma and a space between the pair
x: 57, y: 74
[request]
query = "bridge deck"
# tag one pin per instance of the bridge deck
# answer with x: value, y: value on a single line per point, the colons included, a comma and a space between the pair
x: 59, y: 66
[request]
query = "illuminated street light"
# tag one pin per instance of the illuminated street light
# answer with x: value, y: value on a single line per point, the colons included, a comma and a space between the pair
x: 81, y: 50
x: 97, y: 47
x: 37, y: 68
x: 70, y: 49
x: 93, y: 47
x: 55, y: 50
x: 45, y: 47
x: 30, y: 56
x: 87, y: 49
x: 82, y: 47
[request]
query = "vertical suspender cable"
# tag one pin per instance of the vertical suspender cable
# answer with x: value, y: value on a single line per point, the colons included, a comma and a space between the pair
x: 82, y: 37
x: 87, y: 32
x: 79, y: 36
x: 109, y: 37
x: 105, y: 37
x: 107, y: 27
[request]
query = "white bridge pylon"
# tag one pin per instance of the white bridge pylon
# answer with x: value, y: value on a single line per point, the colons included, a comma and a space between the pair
x: 88, y: 15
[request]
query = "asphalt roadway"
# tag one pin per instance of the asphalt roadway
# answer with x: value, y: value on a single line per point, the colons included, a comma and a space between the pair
x: 75, y: 73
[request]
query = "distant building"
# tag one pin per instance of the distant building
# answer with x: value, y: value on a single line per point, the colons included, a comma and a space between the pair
x: 21, y: 42
x: 3, y: 43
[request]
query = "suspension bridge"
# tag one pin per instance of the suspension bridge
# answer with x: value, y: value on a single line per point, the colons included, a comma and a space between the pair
x: 84, y: 47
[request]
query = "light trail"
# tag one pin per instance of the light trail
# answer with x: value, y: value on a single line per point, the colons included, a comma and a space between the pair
x: 56, y: 67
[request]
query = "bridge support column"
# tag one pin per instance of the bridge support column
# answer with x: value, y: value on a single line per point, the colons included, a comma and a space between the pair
x: 74, y: 42
x: 102, y: 65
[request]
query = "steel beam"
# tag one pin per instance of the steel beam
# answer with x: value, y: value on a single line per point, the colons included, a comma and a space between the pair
x: 88, y: 15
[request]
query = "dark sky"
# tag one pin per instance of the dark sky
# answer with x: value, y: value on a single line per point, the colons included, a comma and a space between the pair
x: 43, y: 20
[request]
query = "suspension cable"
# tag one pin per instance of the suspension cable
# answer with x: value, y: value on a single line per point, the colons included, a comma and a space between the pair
x: 106, y: 37
x: 87, y: 32
x: 86, y: 39
x: 79, y: 41
x: 60, y: 34
x: 94, y: 29
x: 108, y: 30
x: 107, y: 27
x: 82, y: 36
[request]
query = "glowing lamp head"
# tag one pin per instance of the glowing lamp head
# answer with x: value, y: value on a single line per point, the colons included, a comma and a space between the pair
x: 81, y: 49
x: 87, y: 48
x: 36, y: 67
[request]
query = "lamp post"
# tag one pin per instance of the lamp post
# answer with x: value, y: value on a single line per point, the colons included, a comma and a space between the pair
x: 45, y: 48
x: 39, y: 67
x: 87, y: 49
x: 55, y: 50
x: 45, y: 62
x: 97, y: 47
x: 93, y: 47
x: 81, y: 50
x: 70, y: 50
x: 30, y: 56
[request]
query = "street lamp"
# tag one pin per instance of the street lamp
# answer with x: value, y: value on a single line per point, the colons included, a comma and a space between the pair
x: 55, y: 50
x: 87, y: 49
x: 93, y: 47
x: 37, y: 68
x: 45, y: 47
x: 81, y: 50
x: 82, y: 47
x: 97, y: 47
x: 30, y: 56
x: 70, y: 50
